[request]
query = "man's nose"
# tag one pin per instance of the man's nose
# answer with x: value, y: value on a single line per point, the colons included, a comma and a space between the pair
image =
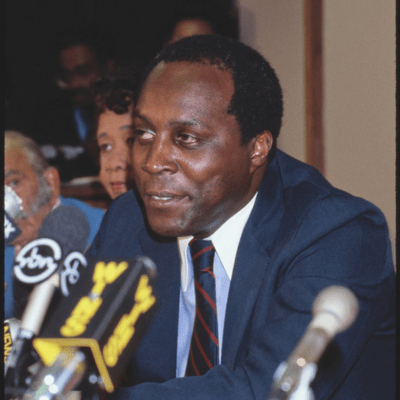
x: 159, y: 157
x: 76, y: 82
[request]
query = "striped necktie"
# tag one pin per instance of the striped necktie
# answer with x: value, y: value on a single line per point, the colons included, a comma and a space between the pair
x: 203, y: 353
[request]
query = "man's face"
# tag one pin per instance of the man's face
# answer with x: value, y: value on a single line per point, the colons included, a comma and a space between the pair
x: 19, y: 175
x: 190, y: 167
x: 79, y: 67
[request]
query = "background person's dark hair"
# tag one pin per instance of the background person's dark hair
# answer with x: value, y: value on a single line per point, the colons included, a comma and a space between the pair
x: 114, y: 91
x: 97, y: 38
x: 257, y: 99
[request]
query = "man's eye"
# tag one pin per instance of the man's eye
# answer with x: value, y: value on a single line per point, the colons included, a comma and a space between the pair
x: 14, y: 183
x: 186, y: 138
x: 144, y: 135
x: 105, y: 147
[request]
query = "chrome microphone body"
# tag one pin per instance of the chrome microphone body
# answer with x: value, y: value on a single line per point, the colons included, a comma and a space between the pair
x: 13, y: 211
x: 13, y: 204
x: 334, y: 310
x: 57, y: 380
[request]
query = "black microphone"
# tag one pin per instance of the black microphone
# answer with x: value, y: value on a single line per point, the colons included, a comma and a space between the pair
x: 96, y: 328
x: 334, y: 310
x: 13, y: 210
x: 65, y: 229
x: 70, y: 228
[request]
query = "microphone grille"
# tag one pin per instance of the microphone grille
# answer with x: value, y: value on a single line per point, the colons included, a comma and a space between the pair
x: 337, y: 301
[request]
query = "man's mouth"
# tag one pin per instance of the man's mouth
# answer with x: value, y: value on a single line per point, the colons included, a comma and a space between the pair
x: 159, y: 199
x: 162, y: 197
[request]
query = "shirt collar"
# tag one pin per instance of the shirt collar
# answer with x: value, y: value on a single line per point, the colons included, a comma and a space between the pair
x: 225, y: 240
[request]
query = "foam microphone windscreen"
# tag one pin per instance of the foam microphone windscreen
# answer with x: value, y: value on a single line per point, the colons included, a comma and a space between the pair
x: 68, y: 226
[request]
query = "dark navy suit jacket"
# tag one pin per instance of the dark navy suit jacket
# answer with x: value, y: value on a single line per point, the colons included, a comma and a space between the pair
x: 302, y: 236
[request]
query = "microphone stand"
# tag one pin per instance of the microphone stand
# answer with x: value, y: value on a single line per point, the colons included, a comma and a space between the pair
x: 17, y: 371
x: 21, y: 356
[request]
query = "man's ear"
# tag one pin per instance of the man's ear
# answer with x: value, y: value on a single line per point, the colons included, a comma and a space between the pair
x: 53, y: 179
x: 261, y: 147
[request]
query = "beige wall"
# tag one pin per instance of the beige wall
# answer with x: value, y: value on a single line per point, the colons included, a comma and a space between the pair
x: 359, y: 88
x: 275, y: 29
x: 359, y: 105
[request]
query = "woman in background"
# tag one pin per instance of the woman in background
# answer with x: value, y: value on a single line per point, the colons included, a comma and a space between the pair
x: 114, y: 96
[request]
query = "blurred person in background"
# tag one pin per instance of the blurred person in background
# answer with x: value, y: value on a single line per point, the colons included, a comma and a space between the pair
x: 28, y: 173
x: 190, y: 27
x: 200, y: 19
x: 61, y: 125
x: 112, y: 132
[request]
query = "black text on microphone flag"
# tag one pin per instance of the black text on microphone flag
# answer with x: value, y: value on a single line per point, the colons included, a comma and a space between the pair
x: 107, y: 313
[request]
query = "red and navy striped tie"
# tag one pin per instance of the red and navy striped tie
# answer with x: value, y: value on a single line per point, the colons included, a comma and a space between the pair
x: 203, y: 353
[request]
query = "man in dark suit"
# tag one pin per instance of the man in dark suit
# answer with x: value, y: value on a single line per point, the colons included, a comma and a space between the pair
x: 206, y: 168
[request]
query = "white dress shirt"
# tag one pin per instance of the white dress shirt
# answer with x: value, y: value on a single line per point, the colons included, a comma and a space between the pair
x: 226, y: 241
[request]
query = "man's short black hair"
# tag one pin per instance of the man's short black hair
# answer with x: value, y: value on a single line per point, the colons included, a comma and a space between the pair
x: 257, y: 98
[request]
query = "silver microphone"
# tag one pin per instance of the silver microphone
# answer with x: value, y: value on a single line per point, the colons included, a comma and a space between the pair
x: 13, y: 204
x: 56, y: 381
x: 334, y: 310
x: 13, y: 210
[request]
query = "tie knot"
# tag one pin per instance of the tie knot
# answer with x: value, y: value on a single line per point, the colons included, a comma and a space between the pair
x: 202, y: 252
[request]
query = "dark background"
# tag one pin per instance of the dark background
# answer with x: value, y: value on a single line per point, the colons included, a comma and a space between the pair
x: 135, y: 31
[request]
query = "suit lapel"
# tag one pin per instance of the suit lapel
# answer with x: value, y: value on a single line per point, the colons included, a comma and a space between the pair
x: 252, y: 260
x: 164, y: 328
